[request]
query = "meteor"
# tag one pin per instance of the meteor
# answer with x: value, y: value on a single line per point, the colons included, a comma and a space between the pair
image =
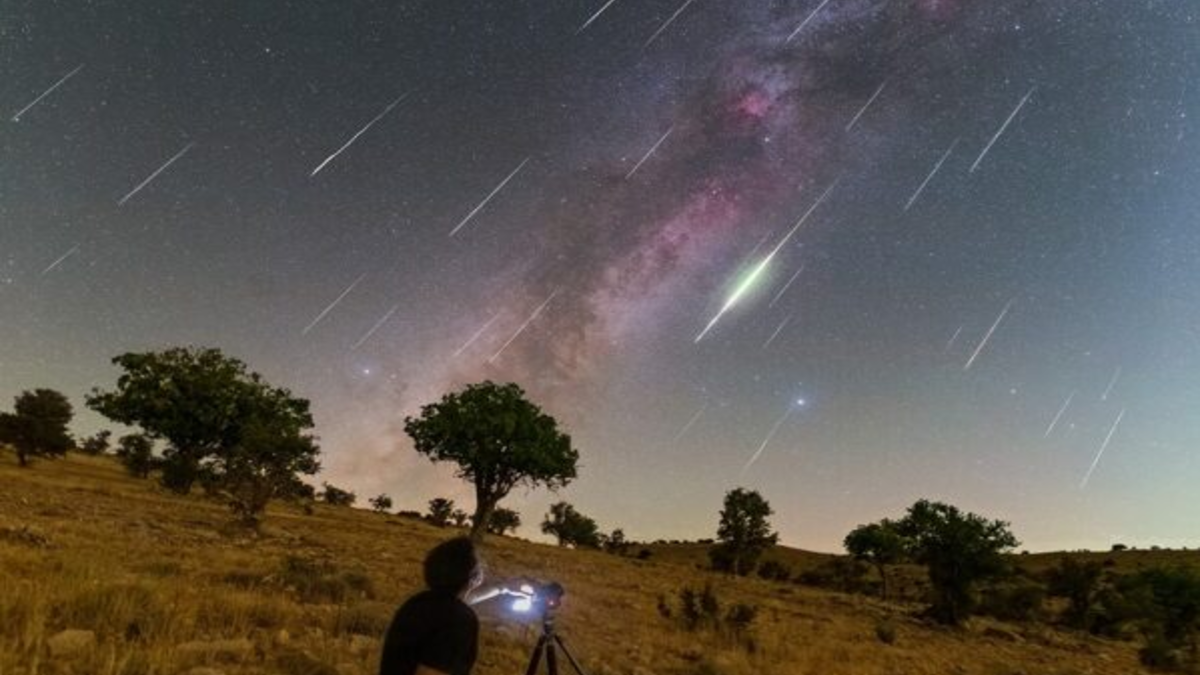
x: 1003, y: 128
x: 154, y: 175
x: 1103, y: 446
x: 333, y: 304
x: 525, y: 325
x: 361, y: 131
x: 988, y: 336
x: 56, y: 85
x: 757, y: 271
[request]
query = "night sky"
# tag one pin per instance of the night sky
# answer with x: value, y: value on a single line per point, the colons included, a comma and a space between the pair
x: 994, y: 302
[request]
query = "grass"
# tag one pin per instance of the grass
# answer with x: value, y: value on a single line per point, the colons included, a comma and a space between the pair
x: 82, y: 546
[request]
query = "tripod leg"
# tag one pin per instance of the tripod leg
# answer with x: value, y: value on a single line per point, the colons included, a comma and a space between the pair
x: 536, y: 657
x: 551, y: 659
x: 563, y: 646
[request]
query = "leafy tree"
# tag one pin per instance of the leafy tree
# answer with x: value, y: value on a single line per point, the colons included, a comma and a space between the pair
x: 97, y: 444
x: 441, y: 510
x: 136, y: 453
x: 37, y: 427
x: 460, y: 517
x: 773, y: 570
x: 743, y: 534
x: 381, y: 503
x: 498, y: 439
x: 200, y: 402
x: 262, y: 465
x: 958, y: 549
x: 1174, y: 607
x: 570, y: 527
x: 616, y: 542
x: 879, y: 544
x: 336, y: 496
x: 1078, y: 582
x: 504, y: 520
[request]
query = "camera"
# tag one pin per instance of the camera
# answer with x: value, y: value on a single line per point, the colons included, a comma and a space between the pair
x: 536, y: 598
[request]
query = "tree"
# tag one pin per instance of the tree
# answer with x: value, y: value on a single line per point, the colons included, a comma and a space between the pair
x: 879, y: 544
x: 200, y: 402
x: 96, y: 445
x: 37, y: 427
x: 616, y: 542
x: 136, y: 453
x: 959, y: 550
x: 504, y: 520
x: 571, y: 527
x: 1078, y: 582
x: 269, y: 456
x: 743, y: 534
x: 441, y: 510
x: 498, y: 439
x: 460, y: 517
x: 381, y: 504
x: 336, y: 496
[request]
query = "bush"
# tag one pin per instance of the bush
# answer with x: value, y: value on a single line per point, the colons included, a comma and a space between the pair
x: 336, y: 496
x: 321, y: 582
x: 773, y: 570
x: 840, y: 574
x: 644, y: 554
x: 885, y: 631
x: 1013, y: 601
x: 701, y: 610
x: 128, y: 611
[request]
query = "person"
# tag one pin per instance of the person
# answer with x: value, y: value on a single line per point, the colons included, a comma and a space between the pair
x: 435, y: 632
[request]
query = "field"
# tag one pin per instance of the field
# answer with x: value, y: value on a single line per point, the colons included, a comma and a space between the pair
x: 164, y: 587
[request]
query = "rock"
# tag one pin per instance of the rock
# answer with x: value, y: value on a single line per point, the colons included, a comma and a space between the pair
x: 70, y: 642
x: 217, y: 650
x: 282, y: 637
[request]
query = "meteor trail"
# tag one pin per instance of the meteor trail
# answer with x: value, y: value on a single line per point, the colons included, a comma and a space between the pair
x: 488, y: 198
x: 776, y: 333
x: 785, y: 287
x: 805, y: 22
x: 1103, y: 446
x: 63, y: 257
x: 523, y: 326
x: 56, y: 85
x: 770, y: 435
x: 361, y: 131
x: 332, y: 305
x: 154, y: 175
x: 695, y: 418
x: 953, y: 339
x: 758, y: 269
x: 1003, y: 127
x: 988, y: 336
x: 936, y: 167
x: 1111, y: 383
x: 377, y: 326
x: 594, y: 17
x: 862, y: 111
x: 1054, y: 422
x: 648, y: 153
x: 475, y: 337
x: 668, y: 22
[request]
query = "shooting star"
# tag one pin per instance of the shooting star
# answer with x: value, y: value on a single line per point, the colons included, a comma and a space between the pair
x: 476, y: 336
x: 1103, y: 446
x: 987, y: 336
x: 56, y: 85
x: 525, y: 325
x: 805, y: 22
x: 648, y: 153
x: 154, y: 175
x: 953, y: 339
x: 1003, y: 127
x: 936, y: 167
x: 56, y: 263
x: 1111, y: 383
x: 594, y: 16
x: 378, y: 324
x: 695, y: 418
x: 1054, y: 422
x: 862, y: 111
x: 785, y: 287
x: 361, y: 131
x: 488, y: 198
x: 748, y: 282
x: 332, y: 305
x: 767, y: 440
x: 668, y: 22
x: 776, y: 333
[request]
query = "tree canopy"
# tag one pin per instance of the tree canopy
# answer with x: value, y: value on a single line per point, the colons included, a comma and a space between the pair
x: 743, y: 533
x: 879, y: 544
x: 498, y: 439
x: 570, y: 527
x: 37, y: 427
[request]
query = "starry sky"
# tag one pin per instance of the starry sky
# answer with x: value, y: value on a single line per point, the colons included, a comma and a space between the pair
x: 994, y: 299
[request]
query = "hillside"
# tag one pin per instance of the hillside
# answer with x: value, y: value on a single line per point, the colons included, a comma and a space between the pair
x: 166, y: 589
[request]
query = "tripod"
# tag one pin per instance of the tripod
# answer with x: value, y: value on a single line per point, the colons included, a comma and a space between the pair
x: 548, y: 644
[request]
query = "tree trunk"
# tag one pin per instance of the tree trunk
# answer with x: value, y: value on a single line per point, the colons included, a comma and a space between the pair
x: 883, y: 589
x: 484, y: 506
x: 22, y: 459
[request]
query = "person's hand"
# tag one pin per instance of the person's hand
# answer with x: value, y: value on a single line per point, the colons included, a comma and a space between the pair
x: 497, y: 587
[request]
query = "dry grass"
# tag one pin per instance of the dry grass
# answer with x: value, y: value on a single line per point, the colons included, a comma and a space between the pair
x: 84, y: 547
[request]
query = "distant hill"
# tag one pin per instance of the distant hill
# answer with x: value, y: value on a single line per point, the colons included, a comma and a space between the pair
x: 154, y: 583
